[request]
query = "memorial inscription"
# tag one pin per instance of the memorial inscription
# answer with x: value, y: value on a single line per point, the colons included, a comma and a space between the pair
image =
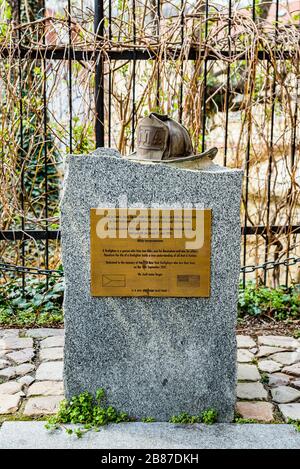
x: 150, y: 252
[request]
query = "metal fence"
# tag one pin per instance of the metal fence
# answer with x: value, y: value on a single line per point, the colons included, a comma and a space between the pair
x: 210, y: 41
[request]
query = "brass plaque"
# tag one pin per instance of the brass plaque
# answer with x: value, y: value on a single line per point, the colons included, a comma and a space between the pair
x: 150, y: 252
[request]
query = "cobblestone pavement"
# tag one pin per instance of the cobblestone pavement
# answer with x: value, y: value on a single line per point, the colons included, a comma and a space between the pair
x: 31, y: 369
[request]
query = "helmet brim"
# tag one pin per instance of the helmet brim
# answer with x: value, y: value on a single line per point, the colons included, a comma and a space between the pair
x: 211, y: 153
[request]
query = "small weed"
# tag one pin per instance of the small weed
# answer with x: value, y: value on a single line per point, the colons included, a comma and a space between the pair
x: 19, y: 417
x: 86, y: 410
x: 78, y: 432
x: 296, y: 424
x: 208, y: 417
x: 242, y: 420
x: 185, y: 418
x: 264, y: 379
x: 148, y: 420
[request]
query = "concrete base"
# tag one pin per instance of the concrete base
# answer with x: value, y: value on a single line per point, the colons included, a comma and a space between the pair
x: 33, y: 435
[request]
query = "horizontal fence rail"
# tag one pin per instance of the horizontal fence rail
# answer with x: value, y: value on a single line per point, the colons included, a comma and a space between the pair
x: 244, y: 269
x: 11, y: 235
x: 135, y: 54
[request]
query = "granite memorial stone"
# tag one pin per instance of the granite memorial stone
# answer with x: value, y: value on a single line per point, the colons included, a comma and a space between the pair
x: 154, y: 356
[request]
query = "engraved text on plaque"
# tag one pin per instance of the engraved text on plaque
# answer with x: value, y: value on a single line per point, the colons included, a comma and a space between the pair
x: 150, y: 252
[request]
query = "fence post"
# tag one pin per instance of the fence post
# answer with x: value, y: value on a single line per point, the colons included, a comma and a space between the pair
x: 99, y: 82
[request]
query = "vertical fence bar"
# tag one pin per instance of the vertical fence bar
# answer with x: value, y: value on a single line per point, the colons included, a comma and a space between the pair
x: 270, y: 161
x: 182, y: 5
x: 204, y: 81
x: 99, y: 79
x: 45, y: 140
x: 22, y: 154
x: 70, y: 94
x: 247, y: 168
x: 133, y: 110
x: 293, y: 154
x: 109, y: 73
x: 227, y: 84
x: 295, y: 124
x: 158, y: 12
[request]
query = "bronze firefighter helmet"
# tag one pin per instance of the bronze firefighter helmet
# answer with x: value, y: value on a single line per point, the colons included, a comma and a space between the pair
x: 160, y: 138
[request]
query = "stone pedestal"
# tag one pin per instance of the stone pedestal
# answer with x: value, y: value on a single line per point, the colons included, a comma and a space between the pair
x: 155, y: 357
